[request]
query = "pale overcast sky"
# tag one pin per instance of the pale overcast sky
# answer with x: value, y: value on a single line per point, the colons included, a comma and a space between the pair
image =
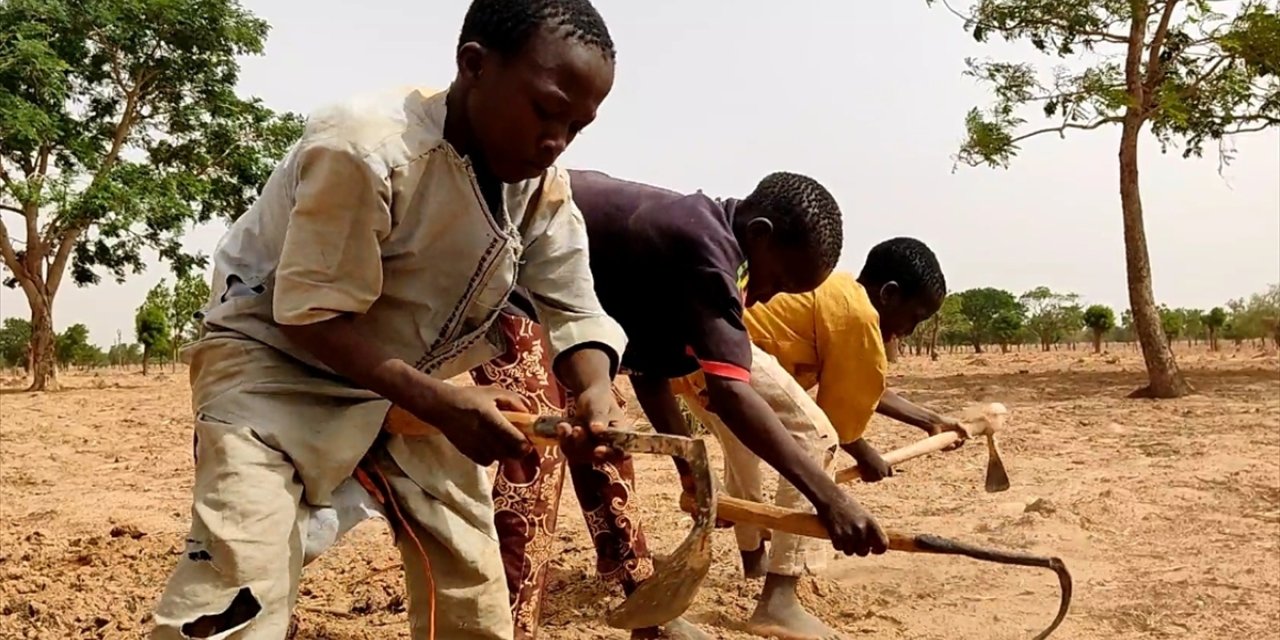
x: 866, y: 97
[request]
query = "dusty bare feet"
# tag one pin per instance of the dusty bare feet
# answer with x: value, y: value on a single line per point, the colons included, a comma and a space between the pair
x: 755, y: 563
x: 678, y: 629
x: 779, y: 614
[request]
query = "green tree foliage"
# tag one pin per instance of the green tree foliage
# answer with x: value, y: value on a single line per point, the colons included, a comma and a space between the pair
x: 1099, y: 319
x: 190, y: 293
x: 1051, y: 316
x: 151, y: 326
x: 948, y: 326
x: 120, y: 128
x: 1214, y: 321
x: 953, y: 327
x: 73, y: 347
x: 1192, y: 324
x: 1007, y: 325
x: 123, y: 354
x: 15, y: 339
x: 985, y: 309
x: 1172, y: 322
x: 1258, y: 317
x: 1181, y: 69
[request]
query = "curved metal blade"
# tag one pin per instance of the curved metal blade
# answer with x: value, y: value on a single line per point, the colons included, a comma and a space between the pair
x: 678, y: 576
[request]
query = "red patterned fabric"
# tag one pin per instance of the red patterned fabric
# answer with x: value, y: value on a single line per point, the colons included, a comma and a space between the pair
x: 526, y: 492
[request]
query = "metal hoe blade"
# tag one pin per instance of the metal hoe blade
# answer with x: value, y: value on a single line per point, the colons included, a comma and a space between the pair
x: 678, y: 576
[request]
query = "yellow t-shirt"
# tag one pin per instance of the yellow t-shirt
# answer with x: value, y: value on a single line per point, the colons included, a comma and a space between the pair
x: 829, y: 337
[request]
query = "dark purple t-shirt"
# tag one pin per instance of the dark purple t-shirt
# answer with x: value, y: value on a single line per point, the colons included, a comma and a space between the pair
x: 666, y: 267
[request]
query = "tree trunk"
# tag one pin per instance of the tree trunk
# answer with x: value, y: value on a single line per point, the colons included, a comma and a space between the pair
x: 1097, y: 342
x: 146, y: 357
x: 891, y: 350
x: 43, y: 355
x: 1163, y: 377
x: 1213, y: 340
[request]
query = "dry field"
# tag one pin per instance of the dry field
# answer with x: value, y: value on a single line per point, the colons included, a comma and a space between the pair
x: 1168, y: 513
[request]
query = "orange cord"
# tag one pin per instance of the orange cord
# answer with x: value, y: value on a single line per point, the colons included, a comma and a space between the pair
x: 387, y: 498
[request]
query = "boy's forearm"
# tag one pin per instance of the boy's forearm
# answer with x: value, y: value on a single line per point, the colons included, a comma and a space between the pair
x: 584, y: 367
x: 338, y: 344
x: 660, y: 405
x: 754, y: 422
x: 857, y: 449
x: 898, y: 408
x: 662, y: 409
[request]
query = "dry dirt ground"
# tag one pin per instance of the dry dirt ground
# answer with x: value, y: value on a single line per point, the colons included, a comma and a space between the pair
x: 1168, y: 513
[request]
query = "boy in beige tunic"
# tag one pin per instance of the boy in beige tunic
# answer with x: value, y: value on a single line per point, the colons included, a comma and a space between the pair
x: 370, y: 271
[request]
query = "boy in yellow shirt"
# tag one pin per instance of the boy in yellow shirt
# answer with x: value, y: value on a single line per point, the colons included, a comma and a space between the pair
x: 832, y: 338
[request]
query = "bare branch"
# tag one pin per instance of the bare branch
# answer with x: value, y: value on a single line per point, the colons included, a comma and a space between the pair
x: 1098, y: 35
x: 14, y: 264
x: 1155, y: 70
x: 58, y: 267
x: 5, y: 207
x: 1070, y: 95
x: 118, y: 138
x: 1254, y: 129
x: 1133, y: 57
x: 117, y: 74
x: 1062, y: 129
x: 4, y: 177
x: 35, y: 248
x: 1252, y: 124
x: 1194, y: 85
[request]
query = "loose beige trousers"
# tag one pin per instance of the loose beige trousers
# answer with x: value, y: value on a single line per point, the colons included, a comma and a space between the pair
x: 238, y: 576
x: 789, y: 555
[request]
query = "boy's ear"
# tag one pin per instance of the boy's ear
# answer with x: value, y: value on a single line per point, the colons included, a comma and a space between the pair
x: 760, y: 227
x: 890, y: 292
x: 471, y: 58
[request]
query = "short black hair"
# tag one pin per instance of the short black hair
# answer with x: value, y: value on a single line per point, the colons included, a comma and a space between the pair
x: 505, y: 26
x: 803, y: 214
x: 910, y: 263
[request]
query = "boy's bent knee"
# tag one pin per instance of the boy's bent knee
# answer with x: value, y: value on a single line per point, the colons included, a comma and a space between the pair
x: 242, y: 610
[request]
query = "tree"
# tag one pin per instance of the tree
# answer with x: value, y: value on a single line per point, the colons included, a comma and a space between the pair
x: 119, y: 128
x: 1192, y: 324
x: 1189, y: 73
x: 952, y: 326
x: 1255, y: 318
x: 151, y: 326
x: 72, y: 346
x: 180, y: 304
x: 122, y: 354
x: 1100, y: 319
x: 15, y: 342
x: 1006, y: 326
x: 981, y: 307
x: 1051, y: 316
x: 1172, y: 323
x: 190, y: 294
x: 1213, y: 323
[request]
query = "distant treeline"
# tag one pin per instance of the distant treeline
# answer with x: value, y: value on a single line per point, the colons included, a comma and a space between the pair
x: 988, y: 318
x: 977, y: 319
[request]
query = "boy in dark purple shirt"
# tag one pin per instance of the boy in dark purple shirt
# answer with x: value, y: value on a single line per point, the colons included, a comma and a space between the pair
x: 676, y: 271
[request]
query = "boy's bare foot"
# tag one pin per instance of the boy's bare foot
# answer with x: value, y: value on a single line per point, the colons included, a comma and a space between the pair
x: 678, y: 629
x: 755, y: 563
x: 779, y: 614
